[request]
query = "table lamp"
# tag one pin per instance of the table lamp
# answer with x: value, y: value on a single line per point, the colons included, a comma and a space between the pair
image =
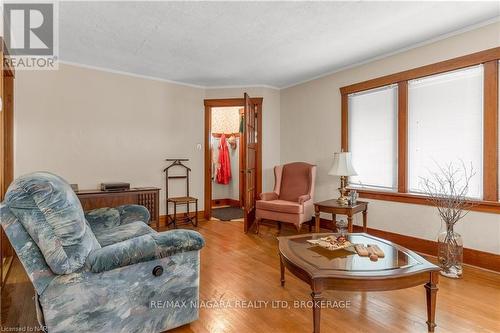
x: 342, y: 167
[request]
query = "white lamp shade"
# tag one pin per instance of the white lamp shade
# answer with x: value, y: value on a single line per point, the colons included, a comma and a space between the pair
x: 342, y: 165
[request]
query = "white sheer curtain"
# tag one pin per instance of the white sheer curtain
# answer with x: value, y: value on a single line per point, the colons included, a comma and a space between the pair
x: 373, y: 137
x: 445, y: 125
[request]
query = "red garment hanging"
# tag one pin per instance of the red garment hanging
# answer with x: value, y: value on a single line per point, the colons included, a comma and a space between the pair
x: 224, y: 170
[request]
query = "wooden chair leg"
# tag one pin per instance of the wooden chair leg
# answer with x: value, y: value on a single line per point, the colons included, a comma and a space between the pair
x: 279, y: 226
x: 175, y: 215
x: 196, y: 213
x: 257, y: 224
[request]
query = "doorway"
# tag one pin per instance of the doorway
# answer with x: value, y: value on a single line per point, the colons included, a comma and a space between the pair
x: 233, y: 159
x: 226, y: 148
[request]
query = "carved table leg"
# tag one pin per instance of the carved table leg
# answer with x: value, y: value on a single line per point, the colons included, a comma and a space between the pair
x: 431, y: 289
x: 282, y: 271
x: 316, y: 215
x: 175, y: 215
x: 349, y: 223
x: 316, y: 297
x: 365, y: 218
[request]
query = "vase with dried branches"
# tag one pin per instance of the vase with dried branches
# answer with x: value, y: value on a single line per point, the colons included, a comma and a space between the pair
x: 448, y: 190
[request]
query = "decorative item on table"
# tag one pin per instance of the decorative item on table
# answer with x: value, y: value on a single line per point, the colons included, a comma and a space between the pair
x: 373, y: 251
x: 353, y: 197
x: 447, y: 190
x: 331, y: 243
x: 342, y: 226
x: 342, y: 166
x: 115, y: 187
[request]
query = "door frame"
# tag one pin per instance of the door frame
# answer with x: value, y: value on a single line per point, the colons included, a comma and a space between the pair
x: 7, y: 76
x: 228, y: 102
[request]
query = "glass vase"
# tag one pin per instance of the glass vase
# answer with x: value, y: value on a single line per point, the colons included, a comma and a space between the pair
x: 450, y: 253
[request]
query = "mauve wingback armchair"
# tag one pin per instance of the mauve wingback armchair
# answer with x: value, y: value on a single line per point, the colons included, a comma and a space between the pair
x: 292, y: 198
x: 106, y: 271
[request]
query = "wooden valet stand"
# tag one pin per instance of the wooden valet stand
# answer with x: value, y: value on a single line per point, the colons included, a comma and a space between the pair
x: 186, y: 200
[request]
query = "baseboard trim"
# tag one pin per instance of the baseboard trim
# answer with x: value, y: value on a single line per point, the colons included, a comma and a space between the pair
x: 472, y: 257
x: 225, y: 202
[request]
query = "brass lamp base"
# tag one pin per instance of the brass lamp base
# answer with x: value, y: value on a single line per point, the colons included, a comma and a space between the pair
x: 343, y: 200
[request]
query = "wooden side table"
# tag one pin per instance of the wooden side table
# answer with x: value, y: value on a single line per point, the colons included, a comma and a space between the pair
x: 333, y: 207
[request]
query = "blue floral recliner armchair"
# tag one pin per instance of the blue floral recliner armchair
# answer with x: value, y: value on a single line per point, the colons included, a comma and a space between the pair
x: 105, y: 271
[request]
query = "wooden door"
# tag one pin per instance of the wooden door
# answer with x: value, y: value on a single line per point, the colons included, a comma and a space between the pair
x: 3, y: 255
x: 241, y: 166
x: 250, y: 161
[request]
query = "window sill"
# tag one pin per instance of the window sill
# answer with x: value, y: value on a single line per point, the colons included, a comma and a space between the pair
x: 479, y: 205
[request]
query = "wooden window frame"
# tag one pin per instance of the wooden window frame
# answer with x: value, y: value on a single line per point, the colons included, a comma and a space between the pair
x: 489, y: 59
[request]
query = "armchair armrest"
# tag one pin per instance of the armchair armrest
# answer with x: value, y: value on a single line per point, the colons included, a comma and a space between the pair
x: 304, y: 198
x: 133, y: 213
x: 269, y: 196
x: 143, y: 248
x: 102, y: 218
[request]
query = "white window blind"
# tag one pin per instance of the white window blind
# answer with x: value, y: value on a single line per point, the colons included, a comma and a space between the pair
x: 373, y: 137
x: 445, y: 125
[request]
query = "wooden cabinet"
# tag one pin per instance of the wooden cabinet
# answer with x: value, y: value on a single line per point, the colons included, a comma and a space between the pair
x: 145, y: 196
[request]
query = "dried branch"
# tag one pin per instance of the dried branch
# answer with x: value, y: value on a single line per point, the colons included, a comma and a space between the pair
x: 447, y: 189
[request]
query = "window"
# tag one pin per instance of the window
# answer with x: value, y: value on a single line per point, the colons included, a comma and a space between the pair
x: 445, y: 125
x: 373, y: 137
x: 401, y: 127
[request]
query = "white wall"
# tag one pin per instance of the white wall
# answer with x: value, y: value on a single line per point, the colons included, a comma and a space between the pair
x: 92, y: 126
x: 310, y: 131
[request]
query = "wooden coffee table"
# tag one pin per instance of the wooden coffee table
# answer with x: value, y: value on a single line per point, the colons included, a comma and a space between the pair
x: 323, y: 269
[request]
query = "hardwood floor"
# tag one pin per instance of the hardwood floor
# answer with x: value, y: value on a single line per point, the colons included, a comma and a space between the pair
x: 239, y: 267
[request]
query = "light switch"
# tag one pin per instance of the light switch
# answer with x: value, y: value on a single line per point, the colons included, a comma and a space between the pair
x: 198, y: 146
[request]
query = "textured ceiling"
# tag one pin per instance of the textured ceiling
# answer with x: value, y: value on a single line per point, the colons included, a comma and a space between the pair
x: 251, y: 43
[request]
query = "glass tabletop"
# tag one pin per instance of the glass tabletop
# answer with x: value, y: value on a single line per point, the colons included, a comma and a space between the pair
x: 347, y: 259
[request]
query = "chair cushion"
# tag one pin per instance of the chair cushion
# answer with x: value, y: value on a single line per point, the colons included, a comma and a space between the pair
x: 280, y: 206
x: 51, y: 213
x: 103, y: 218
x: 295, y: 181
x: 122, y: 233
